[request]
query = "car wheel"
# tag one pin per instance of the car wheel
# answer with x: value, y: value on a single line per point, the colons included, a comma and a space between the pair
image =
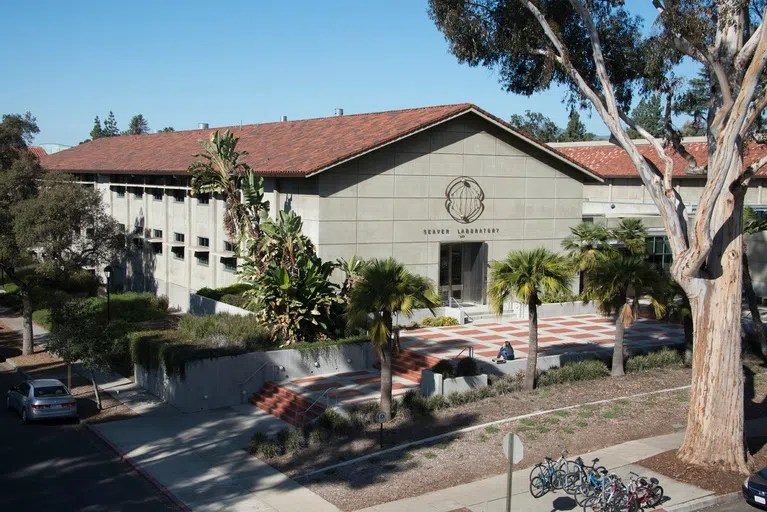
x: 24, y: 419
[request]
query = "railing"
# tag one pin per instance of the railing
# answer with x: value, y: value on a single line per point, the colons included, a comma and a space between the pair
x: 325, y: 394
x: 242, y: 391
x: 470, y: 348
x: 452, y: 300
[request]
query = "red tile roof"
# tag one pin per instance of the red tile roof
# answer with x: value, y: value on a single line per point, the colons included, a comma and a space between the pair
x: 613, y: 162
x: 37, y: 151
x: 291, y: 148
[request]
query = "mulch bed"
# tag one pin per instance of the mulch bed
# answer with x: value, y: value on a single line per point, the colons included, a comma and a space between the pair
x: 720, y: 482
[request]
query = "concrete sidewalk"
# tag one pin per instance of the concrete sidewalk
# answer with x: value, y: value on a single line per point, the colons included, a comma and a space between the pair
x: 489, y: 495
x: 13, y: 321
x: 200, y: 458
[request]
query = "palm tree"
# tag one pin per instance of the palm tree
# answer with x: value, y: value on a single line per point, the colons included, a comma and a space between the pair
x: 609, y: 284
x: 222, y: 170
x: 752, y: 225
x: 352, y: 268
x: 632, y: 234
x: 386, y: 288
x: 527, y: 275
x: 588, y: 244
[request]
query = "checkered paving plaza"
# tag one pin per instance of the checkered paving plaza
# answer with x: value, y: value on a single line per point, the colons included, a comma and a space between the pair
x: 556, y: 336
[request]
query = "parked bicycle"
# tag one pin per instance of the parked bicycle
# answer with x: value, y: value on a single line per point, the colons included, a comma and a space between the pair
x: 545, y: 477
x: 582, y: 474
x: 643, y: 493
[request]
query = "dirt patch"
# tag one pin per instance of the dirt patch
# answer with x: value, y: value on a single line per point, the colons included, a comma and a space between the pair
x: 478, y: 454
x: 720, y: 482
x: 406, y: 429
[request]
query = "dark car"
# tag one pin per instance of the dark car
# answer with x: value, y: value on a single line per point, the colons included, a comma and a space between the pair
x: 755, y: 489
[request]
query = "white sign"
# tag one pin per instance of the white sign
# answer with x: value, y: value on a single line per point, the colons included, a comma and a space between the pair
x: 381, y: 417
x: 519, y: 450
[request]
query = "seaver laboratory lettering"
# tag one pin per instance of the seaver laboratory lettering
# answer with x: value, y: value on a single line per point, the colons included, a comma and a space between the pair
x: 460, y: 231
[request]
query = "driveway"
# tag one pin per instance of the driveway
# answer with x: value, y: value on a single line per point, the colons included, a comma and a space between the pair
x: 57, y: 466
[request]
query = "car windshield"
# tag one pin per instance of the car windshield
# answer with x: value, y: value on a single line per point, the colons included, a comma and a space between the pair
x: 48, y: 391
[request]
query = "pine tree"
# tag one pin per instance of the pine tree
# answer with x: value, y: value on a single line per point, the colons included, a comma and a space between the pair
x: 97, y: 132
x: 648, y: 115
x: 576, y: 130
x: 110, y: 126
x: 536, y: 125
x: 694, y: 101
x: 168, y: 129
x: 137, y: 126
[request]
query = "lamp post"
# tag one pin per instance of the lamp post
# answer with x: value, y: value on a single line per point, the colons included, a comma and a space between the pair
x: 108, y: 273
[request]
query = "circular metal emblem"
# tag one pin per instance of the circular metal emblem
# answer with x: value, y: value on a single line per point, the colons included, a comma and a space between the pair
x: 464, y: 200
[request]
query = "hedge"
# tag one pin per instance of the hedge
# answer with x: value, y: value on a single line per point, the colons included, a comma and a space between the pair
x: 218, y: 293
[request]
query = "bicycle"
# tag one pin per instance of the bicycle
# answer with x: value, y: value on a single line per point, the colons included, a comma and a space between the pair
x: 545, y: 477
x: 580, y: 474
x: 643, y: 494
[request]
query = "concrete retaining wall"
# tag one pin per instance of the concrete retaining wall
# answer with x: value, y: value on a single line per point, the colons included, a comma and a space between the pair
x: 556, y: 309
x: 435, y: 384
x: 420, y: 314
x: 199, y: 306
x: 213, y: 383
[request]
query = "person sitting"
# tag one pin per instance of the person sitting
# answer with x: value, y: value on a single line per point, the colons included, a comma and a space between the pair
x: 506, y: 353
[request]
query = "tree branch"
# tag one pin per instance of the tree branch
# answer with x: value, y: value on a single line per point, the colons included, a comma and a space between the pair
x: 676, y: 140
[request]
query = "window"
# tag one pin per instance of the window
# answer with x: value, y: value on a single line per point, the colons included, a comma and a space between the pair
x: 24, y: 388
x: 50, y: 391
x: 157, y: 233
x: 203, y: 199
x: 122, y: 228
x: 178, y: 252
x: 659, y: 252
x: 179, y: 196
x: 202, y: 258
x: 157, y: 194
x: 228, y: 246
x: 138, y: 194
x: 139, y: 243
x: 157, y: 247
x: 179, y: 237
x: 120, y: 192
x: 230, y: 264
x: 203, y: 241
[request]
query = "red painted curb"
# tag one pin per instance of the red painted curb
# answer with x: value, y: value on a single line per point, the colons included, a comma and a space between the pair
x: 123, y: 457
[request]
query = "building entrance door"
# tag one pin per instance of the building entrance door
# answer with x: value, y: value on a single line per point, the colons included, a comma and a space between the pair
x: 463, y: 272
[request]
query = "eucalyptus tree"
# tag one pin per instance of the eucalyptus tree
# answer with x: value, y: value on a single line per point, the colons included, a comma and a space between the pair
x: 597, y: 51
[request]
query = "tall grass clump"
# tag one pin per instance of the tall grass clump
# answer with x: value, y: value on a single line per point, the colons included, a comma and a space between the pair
x: 223, y: 329
x: 664, y: 358
x: 573, y: 372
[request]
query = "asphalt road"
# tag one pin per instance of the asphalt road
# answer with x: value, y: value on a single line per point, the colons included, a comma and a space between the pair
x: 738, y: 506
x: 59, y: 466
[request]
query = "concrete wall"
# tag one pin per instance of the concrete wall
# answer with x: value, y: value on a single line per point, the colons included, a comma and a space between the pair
x: 556, y: 309
x: 199, y: 305
x: 213, y: 383
x: 435, y: 384
x: 420, y: 314
x: 391, y: 202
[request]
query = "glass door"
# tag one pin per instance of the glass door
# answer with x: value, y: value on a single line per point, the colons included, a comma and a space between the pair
x: 451, y: 272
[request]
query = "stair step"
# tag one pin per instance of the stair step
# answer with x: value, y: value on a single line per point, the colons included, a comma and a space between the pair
x: 286, y: 404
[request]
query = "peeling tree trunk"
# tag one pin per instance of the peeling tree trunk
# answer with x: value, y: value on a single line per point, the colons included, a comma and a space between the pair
x: 620, y: 329
x: 532, y: 345
x: 96, y: 390
x: 688, y: 339
x: 753, y: 305
x: 28, y: 346
x: 386, y: 369
x: 715, y: 434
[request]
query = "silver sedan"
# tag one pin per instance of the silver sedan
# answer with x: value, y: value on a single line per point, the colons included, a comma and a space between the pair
x: 41, y: 399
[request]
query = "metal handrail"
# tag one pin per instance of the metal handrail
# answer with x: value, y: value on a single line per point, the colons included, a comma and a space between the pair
x: 253, y: 374
x: 451, y: 300
x: 327, y: 402
x: 469, y: 348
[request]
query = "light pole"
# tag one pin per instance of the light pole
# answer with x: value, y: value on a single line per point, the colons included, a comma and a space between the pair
x: 108, y: 273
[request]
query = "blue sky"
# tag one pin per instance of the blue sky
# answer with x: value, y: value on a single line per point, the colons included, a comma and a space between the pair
x: 183, y: 62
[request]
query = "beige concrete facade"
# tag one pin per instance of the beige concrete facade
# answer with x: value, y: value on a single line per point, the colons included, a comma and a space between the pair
x: 388, y: 202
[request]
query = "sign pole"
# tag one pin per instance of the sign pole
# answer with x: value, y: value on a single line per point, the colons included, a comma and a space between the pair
x: 510, y: 442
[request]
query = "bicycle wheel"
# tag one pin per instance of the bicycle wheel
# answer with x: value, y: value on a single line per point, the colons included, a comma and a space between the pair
x: 585, y: 494
x: 537, y: 487
x: 654, y: 496
x: 572, y: 482
x: 558, y: 479
x: 538, y: 471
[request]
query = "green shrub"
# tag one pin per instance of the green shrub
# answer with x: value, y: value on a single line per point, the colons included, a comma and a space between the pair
x: 437, y: 402
x: 257, y: 442
x: 225, y: 330
x: 162, y: 303
x: 80, y: 283
x: 42, y: 317
x: 467, y: 367
x: 439, y: 321
x: 234, y: 300
x: 445, y: 368
x: 415, y: 403
x: 507, y: 384
x: 664, y: 358
x: 457, y: 399
x: 270, y: 449
x: 316, y: 437
x: 573, y: 372
x: 334, y: 422
x: 219, y: 293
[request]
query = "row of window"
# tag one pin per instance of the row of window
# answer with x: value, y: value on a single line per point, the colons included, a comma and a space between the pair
x: 179, y: 195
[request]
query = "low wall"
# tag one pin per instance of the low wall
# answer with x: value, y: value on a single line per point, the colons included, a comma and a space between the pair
x: 436, y: 384
x: 199, y: 306
x: 213, y: 383
x: 420, y: 314
x: 556, y: 309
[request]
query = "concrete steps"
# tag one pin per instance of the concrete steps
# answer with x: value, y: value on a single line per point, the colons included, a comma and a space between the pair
x: 408, y: 365
x: 289, y: 406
